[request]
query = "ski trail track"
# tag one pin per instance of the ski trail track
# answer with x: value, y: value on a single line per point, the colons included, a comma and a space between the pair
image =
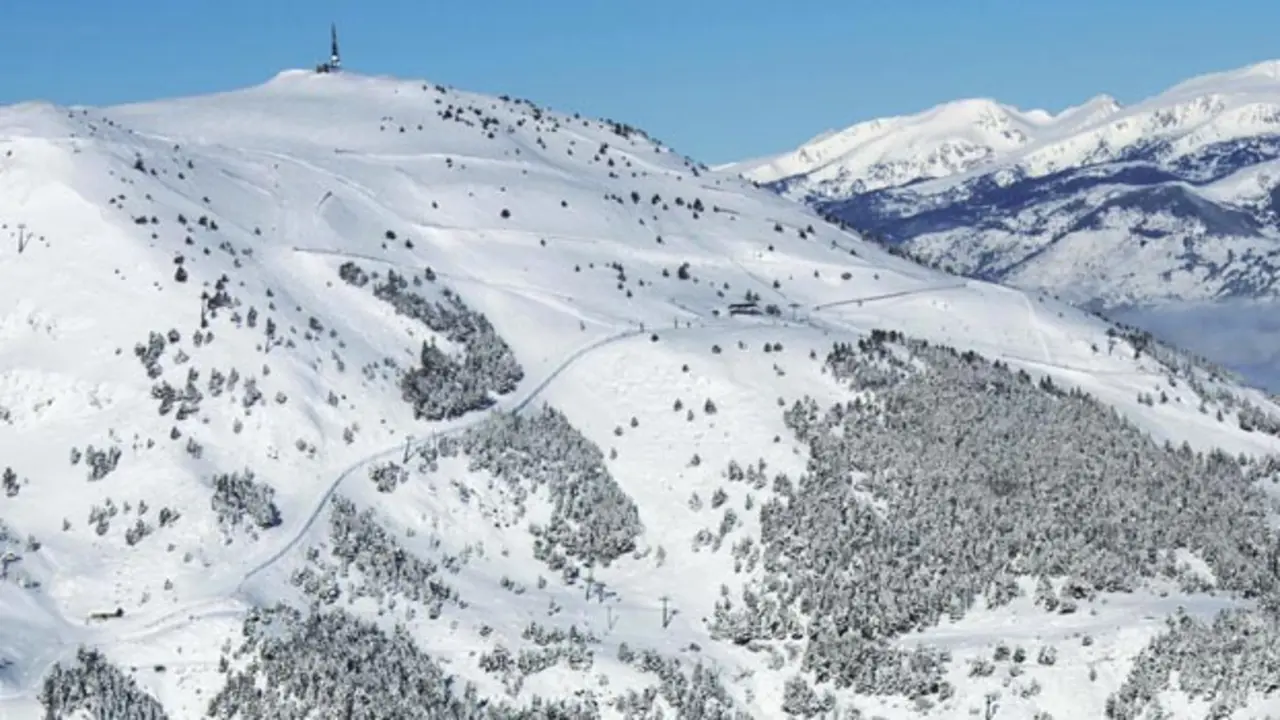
x: 400, y: 447
x: 230, y: 602
x: 1036, y: 328
x: 892, y: 295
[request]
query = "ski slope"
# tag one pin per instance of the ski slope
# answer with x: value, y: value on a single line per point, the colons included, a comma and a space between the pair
x: 606, y: 261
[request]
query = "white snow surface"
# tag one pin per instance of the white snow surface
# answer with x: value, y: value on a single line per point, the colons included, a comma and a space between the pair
x: 307, y: 171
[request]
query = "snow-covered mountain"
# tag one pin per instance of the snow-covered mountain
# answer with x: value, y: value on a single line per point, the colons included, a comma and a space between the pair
x: 352, y: 397
x: 950, y: 139
x: 1171, y: 202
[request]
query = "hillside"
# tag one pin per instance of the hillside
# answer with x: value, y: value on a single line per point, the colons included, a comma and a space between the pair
x: 1163, y: 212
x: 357, y: 397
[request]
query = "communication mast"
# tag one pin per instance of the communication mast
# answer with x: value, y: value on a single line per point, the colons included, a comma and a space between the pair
x: 335, y: 59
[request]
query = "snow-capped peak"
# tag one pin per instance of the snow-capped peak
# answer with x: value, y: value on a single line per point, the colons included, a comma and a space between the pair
x: 1260, y: 77
x: 977, y: 135
x: 1094, y: 109
x: 949, y: 138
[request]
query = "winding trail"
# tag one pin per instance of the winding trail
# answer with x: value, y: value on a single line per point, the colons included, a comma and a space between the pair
x: 452, y: 428
x: 222, y: 603
x: 474, y: 419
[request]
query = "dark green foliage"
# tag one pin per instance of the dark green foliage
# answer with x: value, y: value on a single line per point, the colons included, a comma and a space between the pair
x: 445, y: 385
x: 334, y: 665
x: 592, y: 519
x: 695, y: 694
x: 358, y: 542
x: 94, y: 686
x: 238, y: 497
x: 978, y: 476
x: 1222, y: 662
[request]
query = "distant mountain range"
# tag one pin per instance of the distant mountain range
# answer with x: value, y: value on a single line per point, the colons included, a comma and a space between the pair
x: 1167, y: 206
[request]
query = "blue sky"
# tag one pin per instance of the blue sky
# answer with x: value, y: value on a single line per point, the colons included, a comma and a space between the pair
x: 718, y: 79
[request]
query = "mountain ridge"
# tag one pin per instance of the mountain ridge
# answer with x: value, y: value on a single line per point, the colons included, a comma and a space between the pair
x: 1211, y: 92
x: 338, y: 380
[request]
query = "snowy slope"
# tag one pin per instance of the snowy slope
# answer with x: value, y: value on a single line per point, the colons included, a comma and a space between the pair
x: 208, y: 311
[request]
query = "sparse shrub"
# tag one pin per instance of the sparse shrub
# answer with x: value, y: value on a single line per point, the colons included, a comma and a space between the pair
x: 238, y: 497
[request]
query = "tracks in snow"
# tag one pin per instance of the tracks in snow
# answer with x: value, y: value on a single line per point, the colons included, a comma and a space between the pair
x: 890, y: 296
x: 219, y: 605
x: 446, y: 275
x: 450, y: 429
x: 1036, y: 328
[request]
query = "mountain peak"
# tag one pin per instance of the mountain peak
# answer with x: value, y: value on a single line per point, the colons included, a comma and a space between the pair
x: 1259, y: 77
x: 1100, y: 103
x: 947, y: 138
x: 973, y: 109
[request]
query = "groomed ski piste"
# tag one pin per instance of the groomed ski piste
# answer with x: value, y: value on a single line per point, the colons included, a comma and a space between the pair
x: 605, y: 260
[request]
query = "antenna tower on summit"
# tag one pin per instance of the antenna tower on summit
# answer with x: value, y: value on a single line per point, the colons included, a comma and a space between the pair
x: 335, y: 61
